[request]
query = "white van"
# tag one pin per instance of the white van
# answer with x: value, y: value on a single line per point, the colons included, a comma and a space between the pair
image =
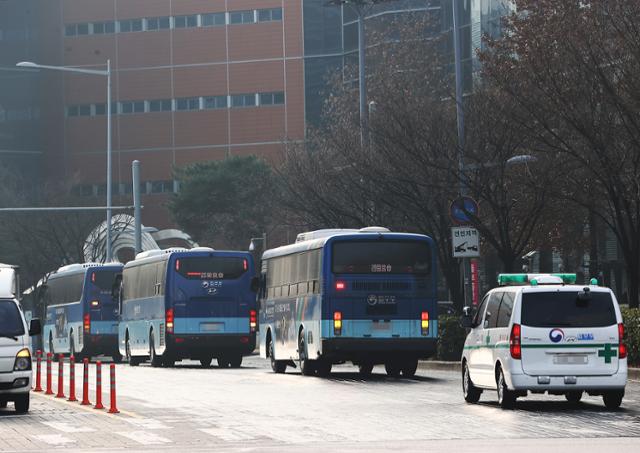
x: 542, y: 333
x: 15, y: 350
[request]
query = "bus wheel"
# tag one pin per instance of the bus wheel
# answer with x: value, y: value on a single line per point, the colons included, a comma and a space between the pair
x: 323, y: 368
x: 116, y: 357
x: 168, y: 362
x: 392, y: 369
x: 306, y: 366
x: 3, y: 404
x: 409, y: 368
x: 365, y: 369
x: 206, y: 361
x: 223, y: 362
x: 278, y: 366
x: 133, y: 361
x: 235, y: 361
x: 53, y: 354
x: 72, y: 346
x: 155, y: 360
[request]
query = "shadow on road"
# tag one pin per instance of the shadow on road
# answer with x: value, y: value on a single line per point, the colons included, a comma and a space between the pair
x: 556, y: 407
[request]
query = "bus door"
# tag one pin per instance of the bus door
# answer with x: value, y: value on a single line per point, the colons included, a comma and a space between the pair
x: 380, y: 287
x: 212, y: 294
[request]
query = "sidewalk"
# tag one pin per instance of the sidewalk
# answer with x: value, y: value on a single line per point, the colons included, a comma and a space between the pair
x: 634, y: 373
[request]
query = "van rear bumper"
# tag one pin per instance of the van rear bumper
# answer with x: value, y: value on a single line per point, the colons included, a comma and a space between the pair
x: 10, y: 383
x: 563, y: 383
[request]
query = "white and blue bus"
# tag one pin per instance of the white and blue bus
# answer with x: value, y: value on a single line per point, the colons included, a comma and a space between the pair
x: 194, y: 304
x: 366, y: 296
x: 81, y: 303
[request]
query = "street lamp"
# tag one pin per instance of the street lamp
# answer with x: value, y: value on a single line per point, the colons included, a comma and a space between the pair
x: 105, y: 73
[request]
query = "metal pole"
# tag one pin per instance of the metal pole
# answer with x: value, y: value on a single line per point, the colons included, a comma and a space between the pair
x: 109, y: 252
x: 362, y: 79
x: 135, y: 168
x: 264, y: 242
x: 461, y: 138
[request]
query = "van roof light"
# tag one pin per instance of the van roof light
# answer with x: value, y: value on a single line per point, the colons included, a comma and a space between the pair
x: 536, y: 279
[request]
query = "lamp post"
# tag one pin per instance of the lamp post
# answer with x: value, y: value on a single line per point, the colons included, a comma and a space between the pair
x: 105, y: 73
x: 252, y: 244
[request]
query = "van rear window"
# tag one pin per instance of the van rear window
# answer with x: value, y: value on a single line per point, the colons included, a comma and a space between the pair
x: 564, y: 309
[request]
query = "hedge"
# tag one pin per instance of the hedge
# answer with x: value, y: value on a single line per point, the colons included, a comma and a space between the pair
x: 451, y: 336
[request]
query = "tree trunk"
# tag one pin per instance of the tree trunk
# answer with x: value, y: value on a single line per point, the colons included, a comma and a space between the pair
x: 633, y: 280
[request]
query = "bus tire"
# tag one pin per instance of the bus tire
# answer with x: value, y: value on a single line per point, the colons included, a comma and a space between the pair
x: 116, y: 357
x: 393, y: 369
x: 53, y: 354
x: 409, y: 368
x: 365, y: 369
x: 72, y: 345
x: 133, y: 361
x: 3, y: 404
x: 155, y: 359
x: 205, y: 362
x: 323, y: 368
x: 223, y: 362
x: 235, y: 360
x: 168, y: 362
x: 278, y: 366
x: 307, y: 367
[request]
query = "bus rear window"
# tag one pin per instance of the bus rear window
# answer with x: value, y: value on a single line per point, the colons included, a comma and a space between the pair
x: 104, y: 279
x: 564, y: 309
x: 212, y: 267
x: 381, y: 257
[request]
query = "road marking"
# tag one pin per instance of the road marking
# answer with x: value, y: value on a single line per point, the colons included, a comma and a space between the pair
x: 54, y: 439
x: 147, y: 423
x: 68, y: 428
x: 145, y: 438
x: 227, y: 434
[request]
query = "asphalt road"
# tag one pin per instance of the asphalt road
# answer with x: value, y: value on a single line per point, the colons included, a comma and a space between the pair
x: 253, y: 409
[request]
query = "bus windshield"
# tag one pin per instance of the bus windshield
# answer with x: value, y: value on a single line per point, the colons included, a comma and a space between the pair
x: 10, y: 320
x: 212, y: 267
x: 381, y: 257
x: 104, y: 279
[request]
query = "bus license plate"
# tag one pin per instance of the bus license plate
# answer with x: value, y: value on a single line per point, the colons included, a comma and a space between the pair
x: 573, y: 359
x: 381, y: 326
x: 212, y: 327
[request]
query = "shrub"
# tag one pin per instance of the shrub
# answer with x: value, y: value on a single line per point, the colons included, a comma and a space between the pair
x: 631, y: 318
x: 451, y: 336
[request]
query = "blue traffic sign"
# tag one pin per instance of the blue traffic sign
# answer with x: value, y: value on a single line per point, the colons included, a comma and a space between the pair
x: 462, y: 209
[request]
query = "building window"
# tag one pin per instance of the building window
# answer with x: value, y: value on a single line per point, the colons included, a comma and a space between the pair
x: 213, y: 19
x: 160, y: 105
x: 70, y: 30
x: 100, y: 109
x: 101, y: 28
x: 241, y: 17
x: 158, y: 23
x: 276, y: 98
x: 161, y: 186
x: 243, y: 100
x: 184, y: 104
x: 185, y: 21
x: 269, y: 15
x: 130, y: 107
x: 72, y: 111
x: 82, y: 29
x: 215, y: 102
x: 130, y: 25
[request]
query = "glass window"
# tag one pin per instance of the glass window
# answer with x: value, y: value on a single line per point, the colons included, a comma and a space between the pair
x: 213, y: 20
x: 83, y: 29
x: 136, y: 25
x: 278, y: 98
x: 126, y: 107
x: 138, y: 107
x: 491, y: 316
x: 84, y: 110
x: 477, y: 318
x: 100, y: 109
x: 212, y: 267
x: 72, y: 110
x: 241, y: 17
x: 153, y: 23
x: 160, y: 105
x: 215, y: 102
x: 103, y: 279
x: 10, y: 320
x: 110, y: 27
x: 188, y: 104
x: 506, y: 307
x: 566, y: 309
x: 243, y: 100
x: 98, y: 28
x: 185, y: 21
x: 125, y: 26
x: 381, y: 257
x: 70, y: 30
x: 268, y: 15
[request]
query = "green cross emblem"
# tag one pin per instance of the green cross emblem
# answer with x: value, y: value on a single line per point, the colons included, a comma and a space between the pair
x: 607, y: 353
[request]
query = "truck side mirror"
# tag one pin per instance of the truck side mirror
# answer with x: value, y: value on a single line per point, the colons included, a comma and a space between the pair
x: 467, y: 318
x: 35, y: 327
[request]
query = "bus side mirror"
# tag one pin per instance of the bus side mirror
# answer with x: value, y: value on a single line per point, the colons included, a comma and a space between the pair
x: 467, y: 318
x: 35, y: 327
x: 255, y: 284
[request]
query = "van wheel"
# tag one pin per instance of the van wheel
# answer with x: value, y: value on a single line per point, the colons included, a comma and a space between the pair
x: 573, y: 397
x: 409, y: 368
x: 365, y: 369
x: 22, y: 403
x: 307, y: 367
x: 613, y: 400
x: 506, y: 398
x: 278, y: 366
x: 155, y: 360
x: 471, y: 392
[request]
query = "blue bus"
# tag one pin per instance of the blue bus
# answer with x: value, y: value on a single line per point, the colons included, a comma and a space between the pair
x: 81, y: 303
x: 194, y: 304
x: 366, y: 296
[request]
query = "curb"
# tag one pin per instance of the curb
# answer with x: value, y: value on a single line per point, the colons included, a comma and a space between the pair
x: 633, y: 373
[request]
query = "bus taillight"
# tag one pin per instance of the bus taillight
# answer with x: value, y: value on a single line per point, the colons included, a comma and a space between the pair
x: 341, y: 286
x: 93, y: 277
x: 337, y: 323
x: 177, y: 265
x: 424, y: 322
x: 245, y: 264
x: 253, y: 320
x: 86, y: 323
x: 169, y: 320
